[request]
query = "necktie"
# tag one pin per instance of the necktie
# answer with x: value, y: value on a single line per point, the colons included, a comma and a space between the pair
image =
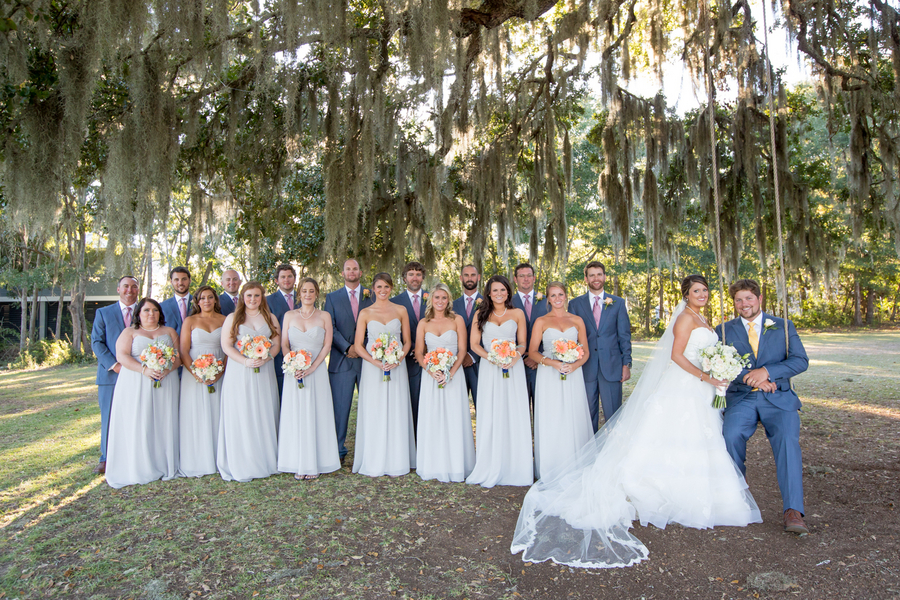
x: 289, y: 298
x: 127, y: 316
x: 469, y: 303
x: 354, y: 304
x: 597, y: 310
x: 753, y: 337
x: 183, y: 308
x: 416, y: 306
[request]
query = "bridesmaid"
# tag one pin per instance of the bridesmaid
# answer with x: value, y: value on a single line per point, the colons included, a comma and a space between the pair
x: 562, y: 420
x: 143, y: 423
x: 198, y: 412
x: 307, y: 441
x: 446, y: 447
x: 385, y: 441
x: 247, y: 447
x: 503, y: 423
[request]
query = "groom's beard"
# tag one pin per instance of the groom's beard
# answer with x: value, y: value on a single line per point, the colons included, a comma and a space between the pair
x: 470, y: 285
x: 597, y: 291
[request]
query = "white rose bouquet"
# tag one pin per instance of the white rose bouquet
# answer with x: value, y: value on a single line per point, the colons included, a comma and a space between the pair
x: 722, y: 362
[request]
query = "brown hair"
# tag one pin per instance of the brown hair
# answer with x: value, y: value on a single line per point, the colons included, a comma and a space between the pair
x: 750, y: 285
x: 195, y: 300
x: 689, y: 281
x: 385, y: 277
x: 521, y: 266
x: 594, y: 264
x: 413, y: 265
x: 429, y: 307
x: 555, y: 284
x: 240, y: 311
x: 284, y: 267
x: 484, y: 311
x: 136, y: 316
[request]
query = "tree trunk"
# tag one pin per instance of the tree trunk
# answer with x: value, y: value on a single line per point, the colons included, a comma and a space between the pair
x: 870, y: 306
x: 857, y: 316
x: 648, y: 295
x: 254, y: 249
x: 149, y: 254
x: 57, y: 334
x: 662, y: 296
x: 209, y: 266
x: 77, y: 249
x: 765, y: 295
x: 894, y: 307
x: 23, y: 321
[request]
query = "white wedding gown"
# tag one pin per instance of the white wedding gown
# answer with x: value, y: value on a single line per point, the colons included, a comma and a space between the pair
x: 661, y: 459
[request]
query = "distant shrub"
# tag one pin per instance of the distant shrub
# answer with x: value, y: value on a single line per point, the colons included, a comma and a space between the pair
x: 820, y: 315
x: 48, y: 353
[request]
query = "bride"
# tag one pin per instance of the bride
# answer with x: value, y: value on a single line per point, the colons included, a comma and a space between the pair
x: 660, y: 459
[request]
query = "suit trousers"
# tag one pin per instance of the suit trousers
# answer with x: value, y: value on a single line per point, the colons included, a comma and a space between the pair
x: 783, y: 430
x: 105, y: 398
x: 608, y: 393
x: 342, y: 384
x: 415, y: 384
x: 471, y: 374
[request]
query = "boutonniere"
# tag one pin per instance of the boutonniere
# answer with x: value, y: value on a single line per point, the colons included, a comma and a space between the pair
x: 478, y: 301
x: 424, y: 295
x: 608, y: 301
x: 768, y: 324
x: 366, y: 293
x: 538, y: 296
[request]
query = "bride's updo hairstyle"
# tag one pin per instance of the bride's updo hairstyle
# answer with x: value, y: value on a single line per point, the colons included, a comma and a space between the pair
x: 385, y: 277
x: 689, y: 281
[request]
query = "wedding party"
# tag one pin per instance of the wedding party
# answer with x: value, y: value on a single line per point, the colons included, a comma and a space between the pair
x: 434, y: 299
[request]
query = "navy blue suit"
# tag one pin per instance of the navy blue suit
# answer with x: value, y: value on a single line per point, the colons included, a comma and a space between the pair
x: 459, y: 307
x: 226, y: 304
x: 413, y: 369
x: 610, y: 350
x: 278, y: 306
x: 172, y: 313
x: 778, y: 411
x: 538, y: 309
x: 108, y: 325
x: 343, y: 371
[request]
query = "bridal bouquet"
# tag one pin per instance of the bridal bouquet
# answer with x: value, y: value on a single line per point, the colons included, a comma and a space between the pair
x: 440, y: 361
x: 567, y: 351
x: 388, y: 350
x: 206, y: 367
x: 502, y: 353
x: 722, y: 362
x: 295, y: 362
x: 254, y: 346
x: 158, y: 357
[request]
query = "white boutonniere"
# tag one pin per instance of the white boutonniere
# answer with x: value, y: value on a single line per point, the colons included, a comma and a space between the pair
x: 608, y: 301
x: 538, y: 296
x: 768, y: 324
x: 366, y: 293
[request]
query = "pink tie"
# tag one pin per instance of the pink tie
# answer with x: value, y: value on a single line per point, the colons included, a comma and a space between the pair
x: 528, y: 306
x: 416, y: 306
x: 597, y: 310
x: 290, y: 301
x: 354, y: 304
x: 127, y: 316
x: 469, y: 303
x: 183, y: 308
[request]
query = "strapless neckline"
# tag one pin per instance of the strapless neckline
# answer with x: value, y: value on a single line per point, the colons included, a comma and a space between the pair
x: 384, y: 324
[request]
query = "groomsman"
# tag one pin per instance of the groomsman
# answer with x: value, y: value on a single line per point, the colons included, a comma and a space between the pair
x: 763, y: 394
x: 280, y: 301
x: 231, y: 282
x: 609, y: 343
x: 344, y: 364
x: 534, y: 306
x: 178, y: 307
x: 465, y: 305
x: 414, y: 299
x: 109, y: 322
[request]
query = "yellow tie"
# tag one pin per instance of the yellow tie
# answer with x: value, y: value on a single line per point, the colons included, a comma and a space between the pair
x: 754, y: 339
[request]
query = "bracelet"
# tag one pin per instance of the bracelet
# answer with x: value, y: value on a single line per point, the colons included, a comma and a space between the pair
x: 701, y: 375
x: 543, y: 358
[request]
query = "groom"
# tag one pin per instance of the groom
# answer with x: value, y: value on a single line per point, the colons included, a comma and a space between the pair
x: 763, y: 394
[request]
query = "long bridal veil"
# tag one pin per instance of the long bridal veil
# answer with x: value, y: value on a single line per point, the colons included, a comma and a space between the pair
x: 580, y: 515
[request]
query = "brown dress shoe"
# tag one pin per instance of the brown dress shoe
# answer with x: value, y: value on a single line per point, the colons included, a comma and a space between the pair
x: 793, y: 522
x: 100, y: 469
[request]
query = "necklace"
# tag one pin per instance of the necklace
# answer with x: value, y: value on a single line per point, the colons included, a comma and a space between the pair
x: 154, y: 329
x: 493, y: 312
x: 252, y: 315
x: 302, y: 316
x: 701, y: 317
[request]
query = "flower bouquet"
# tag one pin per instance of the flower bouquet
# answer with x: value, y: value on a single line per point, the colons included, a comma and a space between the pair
x: 388, y: 349
x: 722, y: 362
x: 440, y: 361
x: 502, y: 353
x: 206, y: 367
x: 296, y: 362
x: 567, y: 351
x: 254, y: 346
x: 158, y: 357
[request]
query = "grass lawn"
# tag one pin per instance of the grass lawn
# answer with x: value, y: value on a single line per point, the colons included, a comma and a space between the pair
x: 64, y: 533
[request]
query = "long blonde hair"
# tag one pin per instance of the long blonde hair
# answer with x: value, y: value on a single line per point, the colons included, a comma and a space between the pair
x: 429, y: 307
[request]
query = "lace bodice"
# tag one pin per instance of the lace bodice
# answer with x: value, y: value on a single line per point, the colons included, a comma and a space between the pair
x: 448, y: 340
